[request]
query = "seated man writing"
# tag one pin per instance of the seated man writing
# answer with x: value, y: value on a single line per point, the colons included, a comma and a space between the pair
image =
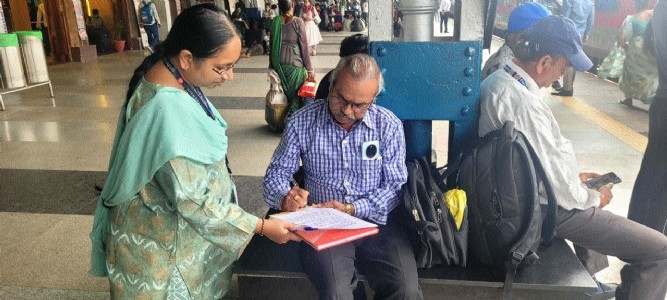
x: 550, y: 46
x: 353, y: 154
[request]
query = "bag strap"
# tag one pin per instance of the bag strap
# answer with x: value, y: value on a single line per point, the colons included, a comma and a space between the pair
x: 427, y: 169
x: 409, y: 191
x: 549, y: 221
x: 509, y: 279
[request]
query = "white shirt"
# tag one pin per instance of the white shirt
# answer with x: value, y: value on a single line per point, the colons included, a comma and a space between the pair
x: 503, y: 56
x: 504, y: 98
x: 445, y: 5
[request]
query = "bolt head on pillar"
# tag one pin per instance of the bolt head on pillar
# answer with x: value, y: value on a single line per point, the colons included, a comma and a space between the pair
x: 470, y: 52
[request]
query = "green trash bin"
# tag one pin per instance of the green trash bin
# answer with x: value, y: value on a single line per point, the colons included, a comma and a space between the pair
x: 34, y: 59
x: 11, y: 68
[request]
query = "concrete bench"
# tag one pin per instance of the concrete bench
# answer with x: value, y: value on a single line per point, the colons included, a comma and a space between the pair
x: 270, y: 271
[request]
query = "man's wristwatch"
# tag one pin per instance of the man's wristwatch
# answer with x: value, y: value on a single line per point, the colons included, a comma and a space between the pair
x: 349, y: 209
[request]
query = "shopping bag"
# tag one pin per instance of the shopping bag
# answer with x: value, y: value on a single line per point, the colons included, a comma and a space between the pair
x: 307, y: 90
x: 275, y: 109
x: 612, y: 65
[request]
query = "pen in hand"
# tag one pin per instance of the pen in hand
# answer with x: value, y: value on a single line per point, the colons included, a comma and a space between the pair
x: 296, y: 197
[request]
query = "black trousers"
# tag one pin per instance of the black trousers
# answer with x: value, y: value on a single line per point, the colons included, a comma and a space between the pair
x: 648, y: 204
x: 386, y: 259
x: 444, y: 19
x: 46, y: 40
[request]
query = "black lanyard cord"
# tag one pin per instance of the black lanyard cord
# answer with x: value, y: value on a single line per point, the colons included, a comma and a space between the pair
x: 193, y: 91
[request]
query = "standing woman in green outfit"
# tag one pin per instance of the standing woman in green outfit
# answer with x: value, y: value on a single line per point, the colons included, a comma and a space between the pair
x: 167, y: 225
x: 639, y: 79
x: 289, y: 53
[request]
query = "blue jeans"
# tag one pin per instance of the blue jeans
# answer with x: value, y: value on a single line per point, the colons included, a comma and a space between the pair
x: 151, y: 32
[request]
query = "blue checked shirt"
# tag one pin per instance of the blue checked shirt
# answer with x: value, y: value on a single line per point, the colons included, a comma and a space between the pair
x: 333, y: 161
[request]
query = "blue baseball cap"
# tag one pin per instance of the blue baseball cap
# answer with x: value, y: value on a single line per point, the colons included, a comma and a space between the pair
x: 525, y: 15
x: 558, y: 35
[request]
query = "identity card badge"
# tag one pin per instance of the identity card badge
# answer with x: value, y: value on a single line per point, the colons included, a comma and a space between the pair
x: 370, y: 150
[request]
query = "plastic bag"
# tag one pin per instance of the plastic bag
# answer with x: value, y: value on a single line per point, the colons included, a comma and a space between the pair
x: 276, y: 104
x: 612, y: 65
x: 307, y: 90
x: 456, y: 202
x: 275, y: 96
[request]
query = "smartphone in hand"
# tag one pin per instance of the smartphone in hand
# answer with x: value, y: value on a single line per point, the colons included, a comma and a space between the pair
x: 603, y: 180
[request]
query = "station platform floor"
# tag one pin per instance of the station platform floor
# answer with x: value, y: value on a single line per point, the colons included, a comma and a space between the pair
x: 52, y: 155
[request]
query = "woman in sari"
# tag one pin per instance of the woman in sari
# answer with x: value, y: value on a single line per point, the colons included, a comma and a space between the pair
x: 640, y: 73
x: 289, y: 54
x: 167, y: 225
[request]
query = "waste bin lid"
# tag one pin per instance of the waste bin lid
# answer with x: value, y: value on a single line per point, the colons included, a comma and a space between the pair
x: 9, y: 40
x: 37, y: 34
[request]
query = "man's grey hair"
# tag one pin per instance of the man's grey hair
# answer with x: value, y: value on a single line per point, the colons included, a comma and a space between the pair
x: 361, y: 67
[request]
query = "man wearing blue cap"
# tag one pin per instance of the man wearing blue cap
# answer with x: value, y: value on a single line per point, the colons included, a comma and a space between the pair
x: 520, y: 19
x: 550, y: 46
x: 582, y: 13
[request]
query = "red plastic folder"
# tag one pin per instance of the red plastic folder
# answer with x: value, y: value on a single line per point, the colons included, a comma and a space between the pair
x: 321, y: 239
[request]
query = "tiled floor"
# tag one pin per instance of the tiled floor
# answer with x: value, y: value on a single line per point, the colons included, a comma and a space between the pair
x: 51, y: 157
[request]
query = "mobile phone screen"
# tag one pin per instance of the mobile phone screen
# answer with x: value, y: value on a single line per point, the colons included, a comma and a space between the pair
x: 603, y: 180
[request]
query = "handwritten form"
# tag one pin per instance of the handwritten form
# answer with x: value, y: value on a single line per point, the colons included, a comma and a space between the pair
x: 323, y: 218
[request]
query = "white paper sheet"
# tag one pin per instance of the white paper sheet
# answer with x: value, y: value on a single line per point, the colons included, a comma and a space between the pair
x: 324, y: 218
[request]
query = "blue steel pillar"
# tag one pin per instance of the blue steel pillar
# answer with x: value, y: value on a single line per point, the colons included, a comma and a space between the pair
x: 426, y: 81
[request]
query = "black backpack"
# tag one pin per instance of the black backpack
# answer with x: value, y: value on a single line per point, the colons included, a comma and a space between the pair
x: 501, y: 178
x: 431, y: 226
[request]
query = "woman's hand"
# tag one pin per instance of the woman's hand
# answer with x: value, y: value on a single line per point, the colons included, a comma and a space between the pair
x: 311, y: 75
x: 277, y: 230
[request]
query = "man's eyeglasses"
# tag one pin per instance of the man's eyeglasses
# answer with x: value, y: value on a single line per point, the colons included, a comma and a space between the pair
x: 356, y: 107
x: 223, y: 71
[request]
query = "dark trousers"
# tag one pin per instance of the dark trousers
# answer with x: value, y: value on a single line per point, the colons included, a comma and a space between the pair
x: 386, y: 259
x: 46, y: 40
x: 568, y: 79
x: 642, y: 248
x: 444, y: 19
x: 648, y: 204
x: 152, y: 34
